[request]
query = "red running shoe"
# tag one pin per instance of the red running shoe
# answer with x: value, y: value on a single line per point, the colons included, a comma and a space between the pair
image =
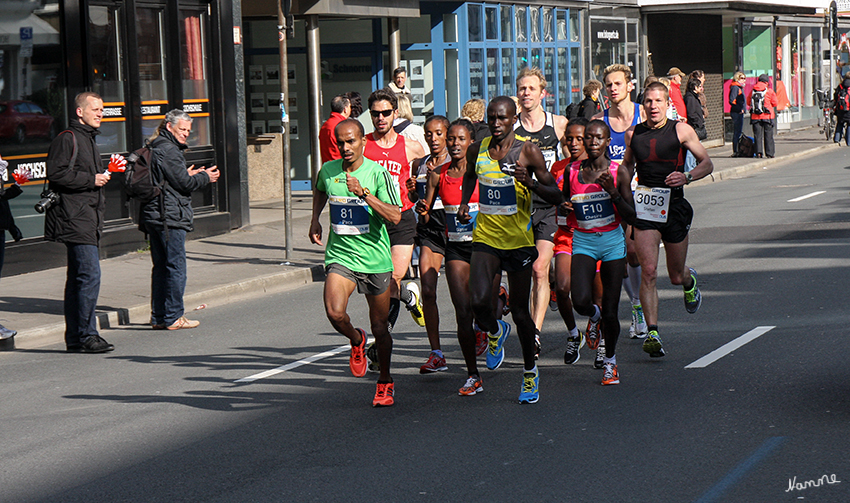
x: 383, y: 395
x: 358, y: 361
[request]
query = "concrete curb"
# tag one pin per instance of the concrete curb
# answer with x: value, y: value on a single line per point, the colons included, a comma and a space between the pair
x: 739, y: 171
x: 253, y: 287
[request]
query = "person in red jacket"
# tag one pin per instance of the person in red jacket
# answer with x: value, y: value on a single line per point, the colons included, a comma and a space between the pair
x: 762, y: 116
x: 340, y: 110
x: 675, y: 75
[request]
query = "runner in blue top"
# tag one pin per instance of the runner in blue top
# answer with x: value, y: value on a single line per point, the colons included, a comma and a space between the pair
x: 622, y: 115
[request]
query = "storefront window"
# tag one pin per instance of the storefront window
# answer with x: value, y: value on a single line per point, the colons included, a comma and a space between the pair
x: 491, y: 20
x: 474, y: 13
x: 575, y: 26
x: 476, y: 75
x: 521, y: 24
x: 153, y: 85
x: 32, y: 100
x: 507, y: 78
x: 609, y: 45
x: 549, y: 74
x: 492, y: 81
x: 575, y: 94
x: 450, y: 27
x: 548, y: 24
x: 563, y: 80
x: 534, y: 24
x: 758, y: 50
x: 535, y: 58
x: 107, y: 60
x: 194, y: 57
x: 562, y: 25
x: 521, y: 59
x: 507, y: 24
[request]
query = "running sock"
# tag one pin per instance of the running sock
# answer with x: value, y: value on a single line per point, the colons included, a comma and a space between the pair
x: 534, y: 369
x: 612, y: 360
x: 634, y: 279
x: 574, y: 332
x: 650, y: 328
x: 693, y: 283
x: 405, y: 296
x: 596, y: 314
x: 438, y: 352
x: 395, y: 304
x: 627, y: 286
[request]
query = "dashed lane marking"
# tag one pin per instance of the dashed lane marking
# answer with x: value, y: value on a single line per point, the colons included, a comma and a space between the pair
x: 727, y: 348
x: 293, y: 365
x: 813, y: 194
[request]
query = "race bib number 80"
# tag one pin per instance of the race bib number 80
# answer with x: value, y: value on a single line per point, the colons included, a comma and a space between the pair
x: 349, y: 216
x: 497, y: 196
x: 652, y: 203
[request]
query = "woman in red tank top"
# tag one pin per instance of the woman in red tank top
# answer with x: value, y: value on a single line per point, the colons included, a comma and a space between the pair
x: 448, y: 184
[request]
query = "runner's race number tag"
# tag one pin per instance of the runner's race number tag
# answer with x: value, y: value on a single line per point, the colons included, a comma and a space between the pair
x: 561, y: 218
x: 349, y: 216
x: 456, y: 231
x: 497, y: 196
x: 652, y: 203
x: 593, y: 209
x: 421, y: 187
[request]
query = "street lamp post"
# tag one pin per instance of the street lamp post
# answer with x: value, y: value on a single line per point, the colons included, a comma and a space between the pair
x: 282, y: 34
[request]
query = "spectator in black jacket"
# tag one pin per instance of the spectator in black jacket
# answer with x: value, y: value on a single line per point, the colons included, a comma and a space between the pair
x: 590, y: 105
x: 169, y: 217
x: 7, y: 223
x: 695, y: 116
x: 737, y: 108
x: 77, y: 220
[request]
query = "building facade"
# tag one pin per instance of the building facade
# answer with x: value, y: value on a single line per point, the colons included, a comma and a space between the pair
x: 144, y: 58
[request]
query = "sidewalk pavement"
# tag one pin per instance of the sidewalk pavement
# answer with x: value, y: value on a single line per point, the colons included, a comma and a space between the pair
x: 249, y: 262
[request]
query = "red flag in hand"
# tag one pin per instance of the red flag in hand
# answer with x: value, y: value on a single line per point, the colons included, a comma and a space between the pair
x: 21, y: 176
x: 117, y: 163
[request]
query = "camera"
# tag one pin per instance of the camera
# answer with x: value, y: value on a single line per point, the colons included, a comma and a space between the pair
x: 48, y: 199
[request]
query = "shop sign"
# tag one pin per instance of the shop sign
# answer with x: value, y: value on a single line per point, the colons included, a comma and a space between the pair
x: 26, y: 42
x: 607, y: 32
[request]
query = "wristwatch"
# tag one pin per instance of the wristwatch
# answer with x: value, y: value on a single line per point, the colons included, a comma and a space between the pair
x: 688, y: 178
x: 365, y: 193
x: 534, y: 184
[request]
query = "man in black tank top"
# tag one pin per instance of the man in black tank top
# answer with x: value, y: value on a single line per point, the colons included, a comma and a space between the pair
x: 545, y: 130
x: 656, y: 149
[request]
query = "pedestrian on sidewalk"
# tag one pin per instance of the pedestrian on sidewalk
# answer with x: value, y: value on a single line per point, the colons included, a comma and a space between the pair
x: 76, y: 178
x: 736, y: 109
x: 340, y: 110
x: 762, y: 102
x: 841, y: 98
x: 169, y: 217
x: 7, y: 221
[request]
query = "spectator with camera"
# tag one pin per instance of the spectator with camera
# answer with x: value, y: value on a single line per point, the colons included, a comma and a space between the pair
x: 74, y: 216
x: 169, y: 217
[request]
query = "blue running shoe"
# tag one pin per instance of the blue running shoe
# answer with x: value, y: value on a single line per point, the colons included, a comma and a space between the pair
x: 530, y: 391
x: 495, y: 343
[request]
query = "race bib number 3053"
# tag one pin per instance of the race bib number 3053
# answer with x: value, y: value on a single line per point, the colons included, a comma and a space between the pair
x: 497, y: 196
x: 652, y: 203
x: 349, y: 216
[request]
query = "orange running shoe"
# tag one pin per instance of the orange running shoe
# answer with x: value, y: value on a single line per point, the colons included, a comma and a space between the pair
x: 358, y: 361
x: 503, y: 293
x: 383, y: 395
x: 611, y: 376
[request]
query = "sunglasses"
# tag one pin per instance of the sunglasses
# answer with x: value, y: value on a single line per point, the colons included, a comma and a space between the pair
x: 385, y: 113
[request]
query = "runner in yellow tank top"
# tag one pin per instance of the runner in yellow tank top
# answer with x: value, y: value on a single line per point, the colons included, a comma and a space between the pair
x: 503, y: 239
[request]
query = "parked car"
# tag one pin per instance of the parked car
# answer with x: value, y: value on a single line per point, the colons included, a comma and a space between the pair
x: 20, y: 120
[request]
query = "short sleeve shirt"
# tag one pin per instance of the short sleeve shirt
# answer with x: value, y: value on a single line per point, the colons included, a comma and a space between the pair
x: 358, y: 236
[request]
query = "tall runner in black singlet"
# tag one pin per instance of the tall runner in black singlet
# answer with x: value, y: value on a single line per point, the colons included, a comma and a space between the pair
x: 545, y: 130
x: 656, y: 148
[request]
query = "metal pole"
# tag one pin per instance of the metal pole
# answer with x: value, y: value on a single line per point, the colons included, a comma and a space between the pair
x: 831, y: 40
x: 287, y: 159
x: 394, y: 40
x: 314, y: 84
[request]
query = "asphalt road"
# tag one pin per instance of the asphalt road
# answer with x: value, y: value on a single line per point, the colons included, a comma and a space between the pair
x: 162, y: 418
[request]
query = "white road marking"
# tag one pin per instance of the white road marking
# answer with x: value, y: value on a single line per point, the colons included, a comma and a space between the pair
x: 727, y: 348
x: 290, y: 366
x: 813, y: 194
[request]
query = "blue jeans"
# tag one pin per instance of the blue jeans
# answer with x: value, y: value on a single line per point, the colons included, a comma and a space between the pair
x: 737, y: 130
x: 842, y: 128
x: 168, y: 279
x: 82, y: 286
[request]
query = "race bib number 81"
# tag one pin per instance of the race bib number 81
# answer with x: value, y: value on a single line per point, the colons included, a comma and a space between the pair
x: 349, y: 216
x: 497, y: 196
x: 652, y: 203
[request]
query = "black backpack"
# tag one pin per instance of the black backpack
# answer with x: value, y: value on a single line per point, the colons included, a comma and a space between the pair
x: 843, y: 102
x: 572, y: 110
x: 138, y: 178
x: 757, y: 102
